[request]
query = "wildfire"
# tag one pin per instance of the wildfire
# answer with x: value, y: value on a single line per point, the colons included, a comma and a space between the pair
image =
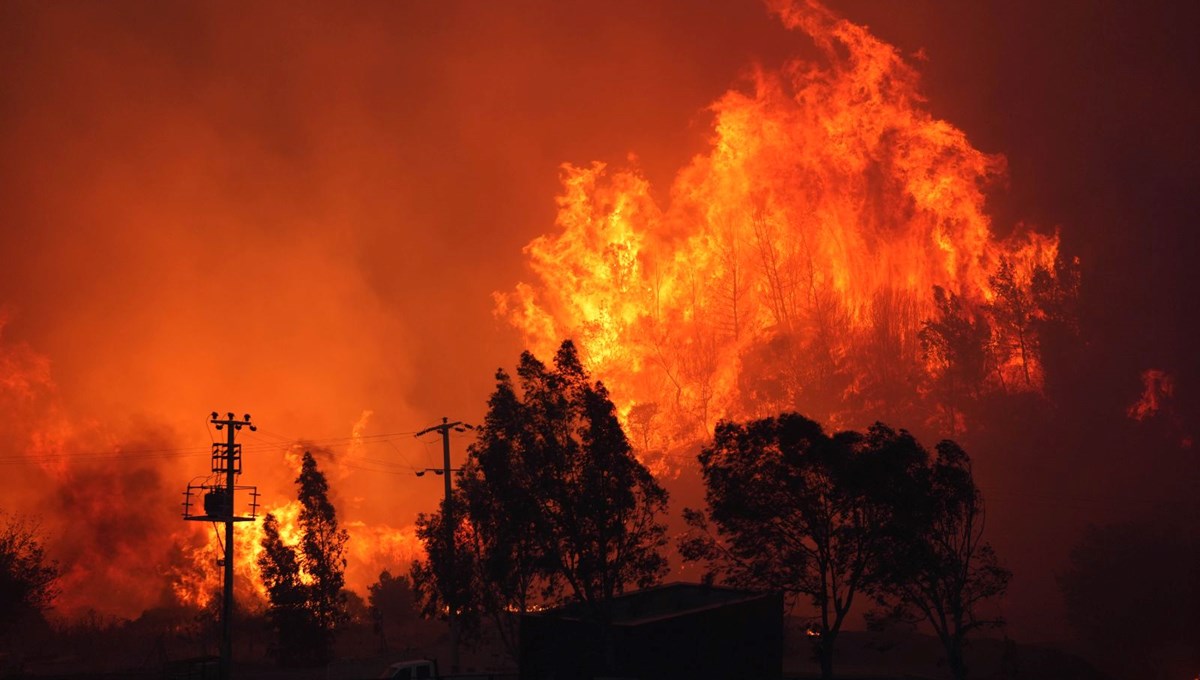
x: 794, y: 263
x: 107, y: 500
x: 371, y: 548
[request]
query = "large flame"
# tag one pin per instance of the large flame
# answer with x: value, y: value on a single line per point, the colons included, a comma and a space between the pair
x: 792, y: 264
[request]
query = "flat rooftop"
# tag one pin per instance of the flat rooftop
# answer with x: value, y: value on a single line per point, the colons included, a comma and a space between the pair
x: 658, y: 602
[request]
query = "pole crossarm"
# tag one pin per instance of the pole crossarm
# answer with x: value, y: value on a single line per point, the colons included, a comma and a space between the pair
x: 444, y: 428
x: 219, y: 507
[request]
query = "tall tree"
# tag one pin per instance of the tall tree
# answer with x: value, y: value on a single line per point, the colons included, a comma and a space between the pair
x: 556, y: 505
x: 323, y: 547
x: 938, y: 563
x: 27, y: 577
x: 391, y: 601
x: 440, y: 585
x: 794, y: 509
x: 954, y: 344
x: 305, y: 582
x: 295, y: 631
x: 1055, y: 293
x: 1013, y: 312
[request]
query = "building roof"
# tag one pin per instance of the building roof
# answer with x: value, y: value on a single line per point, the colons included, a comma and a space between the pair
x: 659, y: 602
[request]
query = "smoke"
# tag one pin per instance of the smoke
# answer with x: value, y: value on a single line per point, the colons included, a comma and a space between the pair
x: 300, y: 212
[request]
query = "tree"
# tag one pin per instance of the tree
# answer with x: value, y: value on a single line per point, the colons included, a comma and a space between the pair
x: 555, y: 505
x: 794, y: 509
x: 954, y: 345
x: 305, y: 582
x: 323, y: 547
x: 296, y: 632
x: 440, y: 585
x: 391, y: 600
x: 1055, y: 292
x: 937, y: 562
x: 27, y: 578
x: 1134, y: 585
x: 1014, y: 312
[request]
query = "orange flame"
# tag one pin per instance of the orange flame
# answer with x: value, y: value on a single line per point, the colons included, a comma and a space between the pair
x: 794, y: 262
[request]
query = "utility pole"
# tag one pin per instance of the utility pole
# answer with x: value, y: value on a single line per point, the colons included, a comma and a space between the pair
x: 448, y: 523
x: 218, y: 507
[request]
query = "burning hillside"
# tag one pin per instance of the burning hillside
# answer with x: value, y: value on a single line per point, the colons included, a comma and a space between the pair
x: 831, y: 252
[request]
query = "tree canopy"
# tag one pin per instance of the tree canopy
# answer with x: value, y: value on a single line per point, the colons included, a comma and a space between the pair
x: 938, y: 563
x: 554, y: 505
x: 27, y: 577
x: 830, y: 518
x: 305, y: 582
x: 795, y: 509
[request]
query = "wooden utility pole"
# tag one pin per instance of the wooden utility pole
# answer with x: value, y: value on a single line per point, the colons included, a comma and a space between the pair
x: 218, y: 507
x: 448, y: 523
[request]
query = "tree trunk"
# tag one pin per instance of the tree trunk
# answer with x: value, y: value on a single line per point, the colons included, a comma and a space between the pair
x: 958, y: 666
x: 825, y: 658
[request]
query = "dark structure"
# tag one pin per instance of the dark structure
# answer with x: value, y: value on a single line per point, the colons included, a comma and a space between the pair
x: 677, y: 630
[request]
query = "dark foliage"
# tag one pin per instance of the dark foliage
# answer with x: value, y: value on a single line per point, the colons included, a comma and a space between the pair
x: 936, y: 566
x: 1132, y: 594
x: 305, y: 583
x: 955, y: 344
x: 554, y: 503
x: 323, y: 546
x: 27, y: 577
x: 390, y: 601
x: 794, y: 509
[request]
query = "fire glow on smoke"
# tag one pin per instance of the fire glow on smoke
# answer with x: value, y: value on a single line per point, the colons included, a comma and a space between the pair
x: 790, y: 266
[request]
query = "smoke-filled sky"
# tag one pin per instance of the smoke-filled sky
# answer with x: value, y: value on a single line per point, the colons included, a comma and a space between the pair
x: 301, y: 210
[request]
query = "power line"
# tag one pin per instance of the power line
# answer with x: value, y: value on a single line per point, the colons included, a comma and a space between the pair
x: 448, y: 520
x: 181, y: 452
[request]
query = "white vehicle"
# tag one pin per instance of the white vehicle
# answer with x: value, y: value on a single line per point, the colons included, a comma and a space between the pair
x: 416, y: 669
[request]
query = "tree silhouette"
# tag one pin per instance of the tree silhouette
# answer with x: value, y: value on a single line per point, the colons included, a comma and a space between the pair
x: 440, y: 585
x: 295, y: 630
x: 1013, y: 312
x: 954, y: 344
x: 27, y: 578
x: 1055, y: 292
x: 937, y: 562
x: 391, y: 600
x: 323, y: 547
x: 1135, y: 586
x: 794, y: 509
x: 305, y: 582
x: 555, y: 504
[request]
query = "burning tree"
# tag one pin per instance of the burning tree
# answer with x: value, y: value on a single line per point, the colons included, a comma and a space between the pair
x: 795, y: 509
x: 305, y: 582
x: 796, y: 261
x: 955, y: 347
x: 553, y: 500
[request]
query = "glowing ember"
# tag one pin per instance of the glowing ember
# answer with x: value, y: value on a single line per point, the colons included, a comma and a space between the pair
x: 1157, y: 388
